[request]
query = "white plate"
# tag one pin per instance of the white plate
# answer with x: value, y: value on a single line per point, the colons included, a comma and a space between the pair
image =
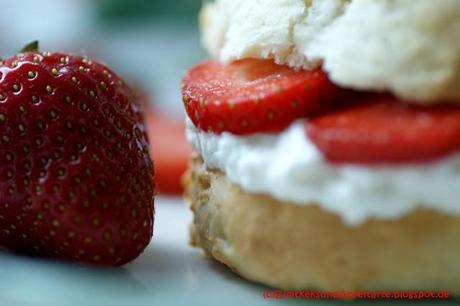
x: 169, y: 272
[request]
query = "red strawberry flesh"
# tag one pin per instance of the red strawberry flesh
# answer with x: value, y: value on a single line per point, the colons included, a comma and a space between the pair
x: 170, y: 148
x: 382, y: 129
x: 251, y: 95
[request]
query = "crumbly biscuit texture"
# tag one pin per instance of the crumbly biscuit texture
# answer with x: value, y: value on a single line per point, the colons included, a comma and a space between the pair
x: 303, y: 247
x: 410, y: 48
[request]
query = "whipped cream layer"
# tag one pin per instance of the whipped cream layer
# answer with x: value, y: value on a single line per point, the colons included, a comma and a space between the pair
x: 289, y: 167
x: 408, y: 47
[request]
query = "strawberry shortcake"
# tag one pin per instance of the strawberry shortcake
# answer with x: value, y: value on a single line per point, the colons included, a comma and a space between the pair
x: 327, y: 139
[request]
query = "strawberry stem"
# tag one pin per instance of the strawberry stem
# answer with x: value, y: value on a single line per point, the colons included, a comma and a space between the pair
x: 30, y: 47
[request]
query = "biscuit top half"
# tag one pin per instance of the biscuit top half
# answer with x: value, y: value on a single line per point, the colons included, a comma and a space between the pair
x: 407, y: 47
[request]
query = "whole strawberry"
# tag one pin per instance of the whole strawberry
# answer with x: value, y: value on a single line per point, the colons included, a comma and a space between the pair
x: 76, y: 180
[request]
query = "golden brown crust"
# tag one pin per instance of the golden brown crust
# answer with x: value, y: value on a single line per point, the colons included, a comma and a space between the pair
x: 302, y: 247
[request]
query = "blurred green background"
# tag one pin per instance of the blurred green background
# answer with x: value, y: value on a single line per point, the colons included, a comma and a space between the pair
x: 151, y: 43
x: 180, y: 10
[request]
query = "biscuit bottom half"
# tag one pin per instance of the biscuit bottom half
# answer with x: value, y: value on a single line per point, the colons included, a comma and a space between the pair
x: 289, y: 246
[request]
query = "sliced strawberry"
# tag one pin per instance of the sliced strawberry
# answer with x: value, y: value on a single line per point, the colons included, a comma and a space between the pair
x: 170, y: 149
x: 251, y: 95
x: 382, y: 129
